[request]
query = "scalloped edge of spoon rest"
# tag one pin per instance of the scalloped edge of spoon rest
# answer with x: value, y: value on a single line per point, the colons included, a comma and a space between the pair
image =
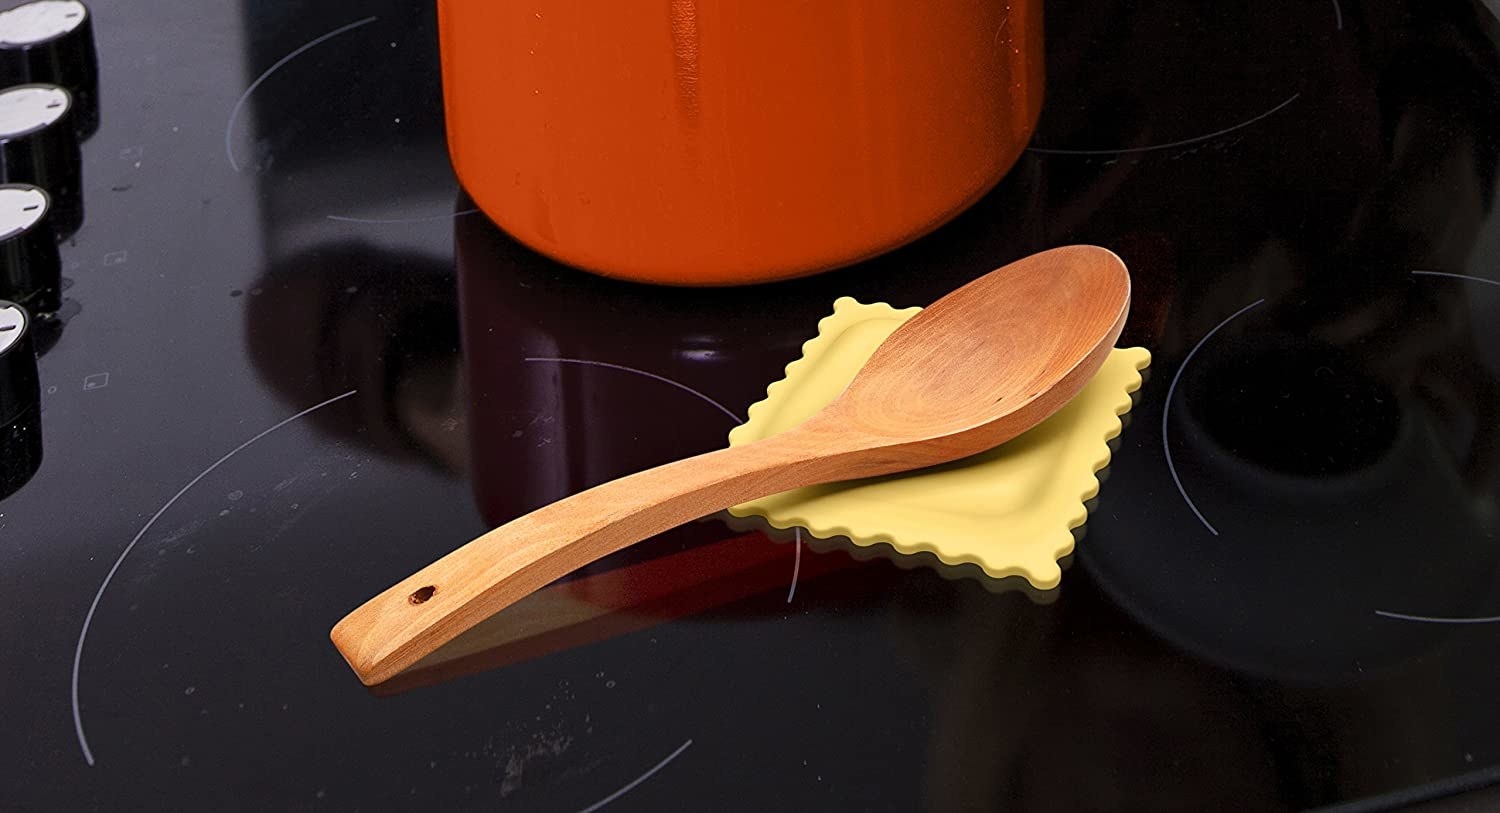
x: 1010, y: 510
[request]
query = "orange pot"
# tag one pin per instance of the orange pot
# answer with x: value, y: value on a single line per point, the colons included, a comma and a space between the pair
x: 713, y: 142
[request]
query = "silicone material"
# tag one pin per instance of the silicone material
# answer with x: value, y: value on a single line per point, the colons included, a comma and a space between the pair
x: 1011, y: 510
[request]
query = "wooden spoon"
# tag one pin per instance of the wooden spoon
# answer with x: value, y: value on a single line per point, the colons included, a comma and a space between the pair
x: 975, y: 369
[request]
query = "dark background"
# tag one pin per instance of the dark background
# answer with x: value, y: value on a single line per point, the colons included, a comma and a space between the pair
x: 1339, y: 436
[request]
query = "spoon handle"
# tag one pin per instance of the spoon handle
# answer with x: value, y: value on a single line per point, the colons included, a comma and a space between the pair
x: 398, y: 627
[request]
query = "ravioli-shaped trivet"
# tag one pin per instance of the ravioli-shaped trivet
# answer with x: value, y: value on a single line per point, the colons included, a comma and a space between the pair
x: 1010, y: 510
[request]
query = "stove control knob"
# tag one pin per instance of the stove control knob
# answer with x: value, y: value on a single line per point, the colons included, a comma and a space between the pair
x: 20, y: 401
x: 52, y: 41
x: 30, y: 268
x: 38, y: 147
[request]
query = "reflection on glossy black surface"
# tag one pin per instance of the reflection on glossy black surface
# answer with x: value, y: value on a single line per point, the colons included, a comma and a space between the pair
x: 20, y: 451
x: 734, y: 578
x: 906, y: 561
x: 1296, y: 407
x: 1338, y: 440
x: 350, y: 316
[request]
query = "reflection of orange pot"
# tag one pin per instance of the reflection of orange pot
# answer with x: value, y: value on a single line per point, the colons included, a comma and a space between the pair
x: 708, y: 142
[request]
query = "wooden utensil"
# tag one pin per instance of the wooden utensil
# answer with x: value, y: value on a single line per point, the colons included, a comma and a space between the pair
x: 973, y: 370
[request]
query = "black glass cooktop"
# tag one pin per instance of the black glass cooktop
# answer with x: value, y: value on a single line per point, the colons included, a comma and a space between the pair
x: 293, y: 364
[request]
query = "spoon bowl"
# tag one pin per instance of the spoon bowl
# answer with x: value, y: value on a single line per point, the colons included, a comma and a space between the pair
x: 990, y: 355
x: 973, y: 370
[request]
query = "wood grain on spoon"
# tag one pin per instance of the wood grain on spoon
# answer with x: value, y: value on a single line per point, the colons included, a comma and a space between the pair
x: 973, y: 370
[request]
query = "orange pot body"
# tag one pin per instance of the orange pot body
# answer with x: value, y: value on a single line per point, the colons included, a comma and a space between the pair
x: 716, y: 142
